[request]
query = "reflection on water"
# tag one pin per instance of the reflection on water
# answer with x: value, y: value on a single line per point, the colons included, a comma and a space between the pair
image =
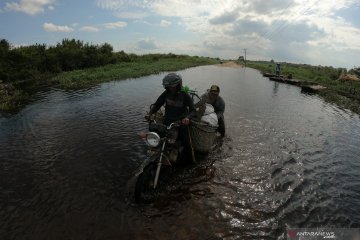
x: 289, y: 160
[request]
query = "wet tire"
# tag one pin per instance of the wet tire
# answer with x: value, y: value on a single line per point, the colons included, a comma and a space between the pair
x: 144, y: 187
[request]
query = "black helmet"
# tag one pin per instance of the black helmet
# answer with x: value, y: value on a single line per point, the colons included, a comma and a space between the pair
x: 172, y: 79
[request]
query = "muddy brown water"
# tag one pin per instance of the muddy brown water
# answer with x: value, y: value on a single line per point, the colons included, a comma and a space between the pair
x: 288, y: 160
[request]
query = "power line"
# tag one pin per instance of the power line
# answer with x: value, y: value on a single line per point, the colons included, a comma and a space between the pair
x: 269, y: 30
x: 273, y: 31
x: 286, y: 24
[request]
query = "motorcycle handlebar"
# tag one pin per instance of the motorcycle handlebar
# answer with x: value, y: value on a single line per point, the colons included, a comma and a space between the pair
x: 174, y: 124
x: 151, y: 119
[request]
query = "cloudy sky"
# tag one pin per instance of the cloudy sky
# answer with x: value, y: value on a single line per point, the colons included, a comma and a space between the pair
x: 301, y: 31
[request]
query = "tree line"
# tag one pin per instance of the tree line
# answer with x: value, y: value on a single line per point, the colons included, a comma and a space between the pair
x: 37, y: 61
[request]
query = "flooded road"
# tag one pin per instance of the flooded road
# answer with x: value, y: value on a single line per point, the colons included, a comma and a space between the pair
x: 288, y: 160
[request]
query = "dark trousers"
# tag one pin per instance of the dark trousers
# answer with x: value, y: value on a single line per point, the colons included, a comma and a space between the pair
x: 185, y: 139
x: 221, y: 127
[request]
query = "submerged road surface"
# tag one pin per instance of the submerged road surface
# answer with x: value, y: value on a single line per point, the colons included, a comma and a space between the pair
x: 289, y: 160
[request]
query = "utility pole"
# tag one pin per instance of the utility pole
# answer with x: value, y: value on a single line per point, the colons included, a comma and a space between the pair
x: 245, y: 56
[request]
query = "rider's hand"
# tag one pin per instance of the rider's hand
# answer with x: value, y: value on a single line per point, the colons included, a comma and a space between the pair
x: 185, y: 121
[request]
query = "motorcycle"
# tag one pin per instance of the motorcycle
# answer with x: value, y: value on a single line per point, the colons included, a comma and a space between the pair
x: 164, y: 150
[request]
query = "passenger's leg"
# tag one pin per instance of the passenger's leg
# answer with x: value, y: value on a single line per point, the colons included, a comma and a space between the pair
x: 221, y: 127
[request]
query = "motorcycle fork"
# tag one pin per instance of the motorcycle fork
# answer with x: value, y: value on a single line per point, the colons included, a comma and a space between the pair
x: 159, y: 165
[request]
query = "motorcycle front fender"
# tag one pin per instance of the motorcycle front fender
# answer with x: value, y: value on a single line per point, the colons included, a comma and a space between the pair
x: 152, y: 159
x: 147, y: 161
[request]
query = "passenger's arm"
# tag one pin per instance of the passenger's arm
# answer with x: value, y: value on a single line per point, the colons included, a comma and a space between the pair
x: 220, y: 108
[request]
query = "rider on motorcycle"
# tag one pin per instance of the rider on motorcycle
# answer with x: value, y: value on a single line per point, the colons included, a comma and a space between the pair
x: 178, y: 106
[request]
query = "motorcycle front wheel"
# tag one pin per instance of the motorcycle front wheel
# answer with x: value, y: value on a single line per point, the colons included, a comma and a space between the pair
x: 144, y: 187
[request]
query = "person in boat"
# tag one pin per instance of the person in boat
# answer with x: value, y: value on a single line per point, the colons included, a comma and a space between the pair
x: 178, y: 107
x: 212, y: 97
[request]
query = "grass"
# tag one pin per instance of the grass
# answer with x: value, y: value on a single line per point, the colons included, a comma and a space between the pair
x: 304, y: 72
x: 11, y: 98
x: 346, y: 94
x: 84, y: 78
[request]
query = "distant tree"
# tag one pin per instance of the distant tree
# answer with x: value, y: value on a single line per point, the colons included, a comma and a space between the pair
x: 106, y: 55
x: 29, y: 62
x: 70, y: 54
x: 37, y: 61
x: 241, y: 59
x: 4, y: 47
x: 90, y: 56
x: 122, y: 57
x: 4, y: 50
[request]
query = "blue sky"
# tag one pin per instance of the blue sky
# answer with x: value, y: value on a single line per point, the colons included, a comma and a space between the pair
x: 301, y: 31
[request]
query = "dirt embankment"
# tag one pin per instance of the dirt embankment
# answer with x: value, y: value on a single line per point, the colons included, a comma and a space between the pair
x: 230, y: 64
x: 348, y: 77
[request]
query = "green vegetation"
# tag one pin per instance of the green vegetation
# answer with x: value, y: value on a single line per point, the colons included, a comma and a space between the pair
x: 73, y: 64
x: 11, y: 98
x: 304, y: 72
x: 345, y: 93
x: 144, y: 65
x: 33, y: 62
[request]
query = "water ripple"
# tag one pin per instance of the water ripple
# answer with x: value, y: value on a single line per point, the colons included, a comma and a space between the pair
x: 288, y: 160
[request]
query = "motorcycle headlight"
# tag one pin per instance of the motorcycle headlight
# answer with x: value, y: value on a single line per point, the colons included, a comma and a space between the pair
x: 152, y: 139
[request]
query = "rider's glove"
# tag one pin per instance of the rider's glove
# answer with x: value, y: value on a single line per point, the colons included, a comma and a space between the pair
x: 149, y: 117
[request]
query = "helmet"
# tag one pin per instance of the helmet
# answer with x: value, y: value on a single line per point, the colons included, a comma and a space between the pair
x: 172, y: 80
x: 215, y: 88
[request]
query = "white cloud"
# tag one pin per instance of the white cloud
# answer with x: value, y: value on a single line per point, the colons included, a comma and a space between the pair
x: 339, y: 34
x: 146, y: 44
x: 50, y: 27
x: 115, y: 5
x: 128, y: 9
x: 89, y: 29
x: 31, y: 7
x: 191, y: 8
x: 165, y: 23
x: 113, y: 25
x: 110, y: 4
x: 265, y: 28
x: 131, y: 15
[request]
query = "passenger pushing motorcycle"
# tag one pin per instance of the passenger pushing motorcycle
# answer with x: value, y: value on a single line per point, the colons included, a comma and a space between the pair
x: 179, y: 108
